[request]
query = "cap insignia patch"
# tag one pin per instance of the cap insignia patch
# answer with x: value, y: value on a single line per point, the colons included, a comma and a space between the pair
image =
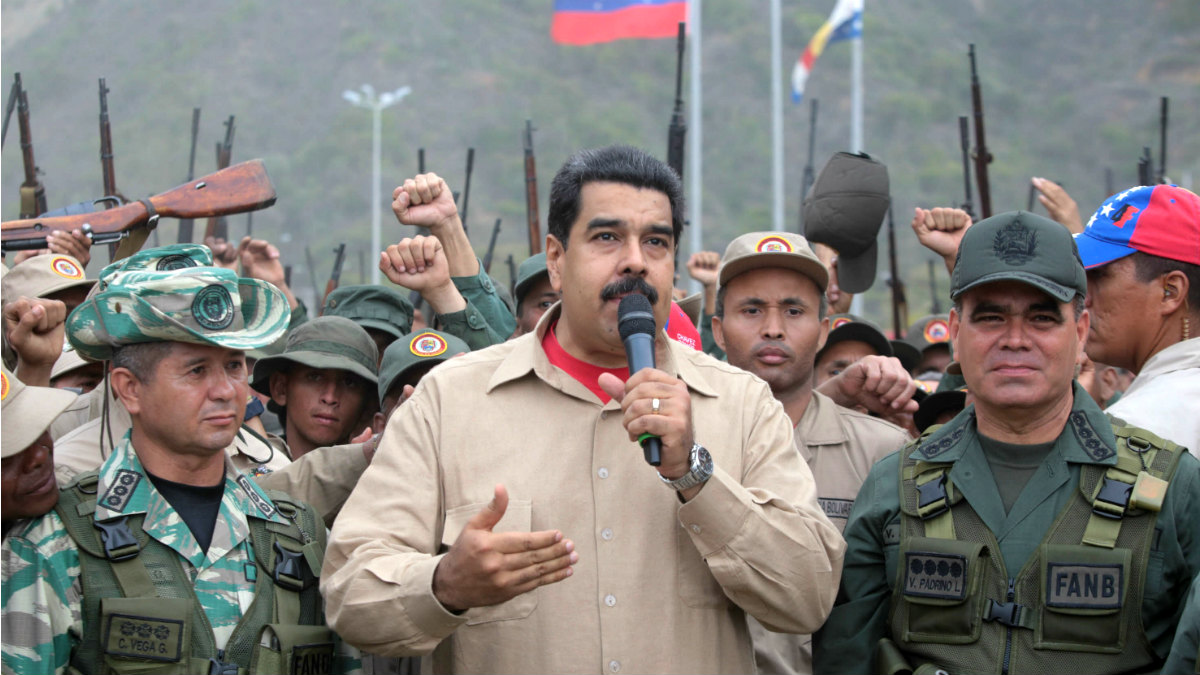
x: 1015, y: 244
x: 839, y: 322
x: 427, y: 344
x: 773, y: 244
x: 66, y: 268
x: 3, y: 386
x: 937, y: 331
x: 213, y: 307
x: 174, y: 262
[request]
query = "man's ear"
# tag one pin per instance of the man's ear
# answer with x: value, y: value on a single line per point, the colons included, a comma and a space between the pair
x: 824, y: 335
x: 1175, y: 291
x: 127, y: 388
x: 718, y: 332
x: 955, y: 324
x: 554, y: 258
x: 278, y: 388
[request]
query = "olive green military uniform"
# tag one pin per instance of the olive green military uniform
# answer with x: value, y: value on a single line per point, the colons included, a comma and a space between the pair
x: 874, y: 566
x: 488, y: 302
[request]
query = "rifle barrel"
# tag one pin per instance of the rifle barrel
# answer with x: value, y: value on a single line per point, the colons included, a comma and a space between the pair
x: 531, y: 193
x: 33, y: 193
x: 106, y: 147
x: 982, y: 156
x: 467, y: 187
x: 1162, y: 148
x: 13, y: 94
x: 491, y: 249
x: 186, y: 225
x: 964, y: 136
x: 677, y: 129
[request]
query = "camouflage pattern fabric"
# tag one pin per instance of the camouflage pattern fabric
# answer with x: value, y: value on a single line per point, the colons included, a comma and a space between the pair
x: 41, y: 616
x: 200, y: 305
x: 161, y: 259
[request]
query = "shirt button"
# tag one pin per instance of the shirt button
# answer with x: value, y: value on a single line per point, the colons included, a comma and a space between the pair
x: 604, y: 414
x: 696, y: 529
x: 610, y: 600
x: 603, y: 472
x: 606, y: 534
x: 614, y: 666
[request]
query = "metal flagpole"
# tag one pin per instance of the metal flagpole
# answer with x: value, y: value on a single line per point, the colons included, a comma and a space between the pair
x: 695, y: 136
x: 776, y: 119
x: 856, y: 94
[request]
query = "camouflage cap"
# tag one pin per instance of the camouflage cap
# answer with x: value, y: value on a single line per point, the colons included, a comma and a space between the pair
x: 1019, y: 246
x: 850, y: 328
x: 199, y: 305
x: 754, y: 250
x: 420, y: 347
x: 28, y: 412
x: 159, y: 259
x: 372, y: 306
x: 325, y: 342
x: 43, y: 275
x: 531, y: 269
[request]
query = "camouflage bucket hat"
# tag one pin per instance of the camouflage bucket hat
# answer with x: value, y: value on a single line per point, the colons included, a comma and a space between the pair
x: 372, y: 306
x: 325, y: 342
x: 200, y: 305
x: 28, y: 411
x: 161, y: 259
x: 415, y: 349
x: 42, y: 275
x: 1019, y: 246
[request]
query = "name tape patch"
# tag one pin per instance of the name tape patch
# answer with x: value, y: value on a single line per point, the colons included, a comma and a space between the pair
x: 935, y: 575
x: 836, y: 508
x: 144, y: 638
x: 1084, y: 586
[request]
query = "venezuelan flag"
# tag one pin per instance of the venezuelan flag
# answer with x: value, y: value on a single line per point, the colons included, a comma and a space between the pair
x: 587, y: 22
x: 845, y: 23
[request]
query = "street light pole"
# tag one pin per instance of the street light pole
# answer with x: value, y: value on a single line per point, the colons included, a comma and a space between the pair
x: 367, y: 100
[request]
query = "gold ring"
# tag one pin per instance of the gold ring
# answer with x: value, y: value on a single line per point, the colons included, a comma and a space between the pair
x: 655, y: 406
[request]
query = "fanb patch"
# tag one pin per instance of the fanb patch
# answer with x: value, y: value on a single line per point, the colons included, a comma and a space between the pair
x: 143, y: 638
x: 117, y: 496
x: 312, y: 658
x: 174, y: 262
x: 426, y: 345
x: 1084, y: 586
x: 66, y: 268
x: 213, y: 307
x: 935, y: 575
x: 1015, y: 243
x: 773, y: 244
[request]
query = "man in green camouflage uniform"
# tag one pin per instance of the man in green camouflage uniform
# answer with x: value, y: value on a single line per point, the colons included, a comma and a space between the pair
x: 1030, y: 533
x: 162, y: 562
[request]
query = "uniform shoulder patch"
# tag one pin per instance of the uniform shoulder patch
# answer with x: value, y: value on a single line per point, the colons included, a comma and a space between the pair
x: 121, y: 490
x: 1091, y: 441
x: 263, y: 505
x: 931, y: 450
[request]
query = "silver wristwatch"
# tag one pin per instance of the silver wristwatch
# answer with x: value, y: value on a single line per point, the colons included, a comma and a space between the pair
x: 700, y: 471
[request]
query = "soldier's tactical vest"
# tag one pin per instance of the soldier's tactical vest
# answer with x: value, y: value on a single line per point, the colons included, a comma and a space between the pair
x: 141, y: 614
x: 1076, y: 604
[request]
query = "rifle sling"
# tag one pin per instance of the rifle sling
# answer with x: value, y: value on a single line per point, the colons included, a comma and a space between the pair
x: 138, y: 235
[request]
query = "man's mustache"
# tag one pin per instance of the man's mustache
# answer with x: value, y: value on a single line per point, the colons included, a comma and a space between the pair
x: 629, y: 285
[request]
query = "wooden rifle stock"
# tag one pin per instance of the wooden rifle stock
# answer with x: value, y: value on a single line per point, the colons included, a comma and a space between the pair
x: 238, y: 189
x: 531, y: 193
x: 981, y: 154
x: 335, y: 277
x: 33, y: 193
x: 677, y: 130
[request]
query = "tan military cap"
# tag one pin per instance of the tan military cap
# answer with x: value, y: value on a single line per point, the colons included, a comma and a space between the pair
x: 28, y: 411
x: 42, y: 275
x: 771, y: 249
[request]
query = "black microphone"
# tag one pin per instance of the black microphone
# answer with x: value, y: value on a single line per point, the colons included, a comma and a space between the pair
x: 635, y: 323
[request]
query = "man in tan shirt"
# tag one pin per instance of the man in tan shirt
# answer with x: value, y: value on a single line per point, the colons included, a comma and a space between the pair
x: 586, y: 559
x: 770, y: 320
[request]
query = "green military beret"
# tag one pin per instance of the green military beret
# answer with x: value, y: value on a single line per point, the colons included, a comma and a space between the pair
x: 325, y: 342
x: 414, y: 349
x: 372, y: 306
x: 1019, y: 246
x: 199, y: 305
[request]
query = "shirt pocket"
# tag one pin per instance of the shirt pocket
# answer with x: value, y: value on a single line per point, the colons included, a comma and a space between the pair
x: 517, y: 518
x: 697, y: 585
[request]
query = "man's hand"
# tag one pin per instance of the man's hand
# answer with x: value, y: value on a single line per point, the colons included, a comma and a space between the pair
x: 260, y: 260
x: 419, y: 263
x: 486, y: 568
x: 672, y: 424
x: 1058, y: 204
x: 74, y: 243
x: 940, y: 230
x: 225, y: 254
x: 425, y: 201
x: 702, y: 267
x: 35, y: 331
x: 878, y: 383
